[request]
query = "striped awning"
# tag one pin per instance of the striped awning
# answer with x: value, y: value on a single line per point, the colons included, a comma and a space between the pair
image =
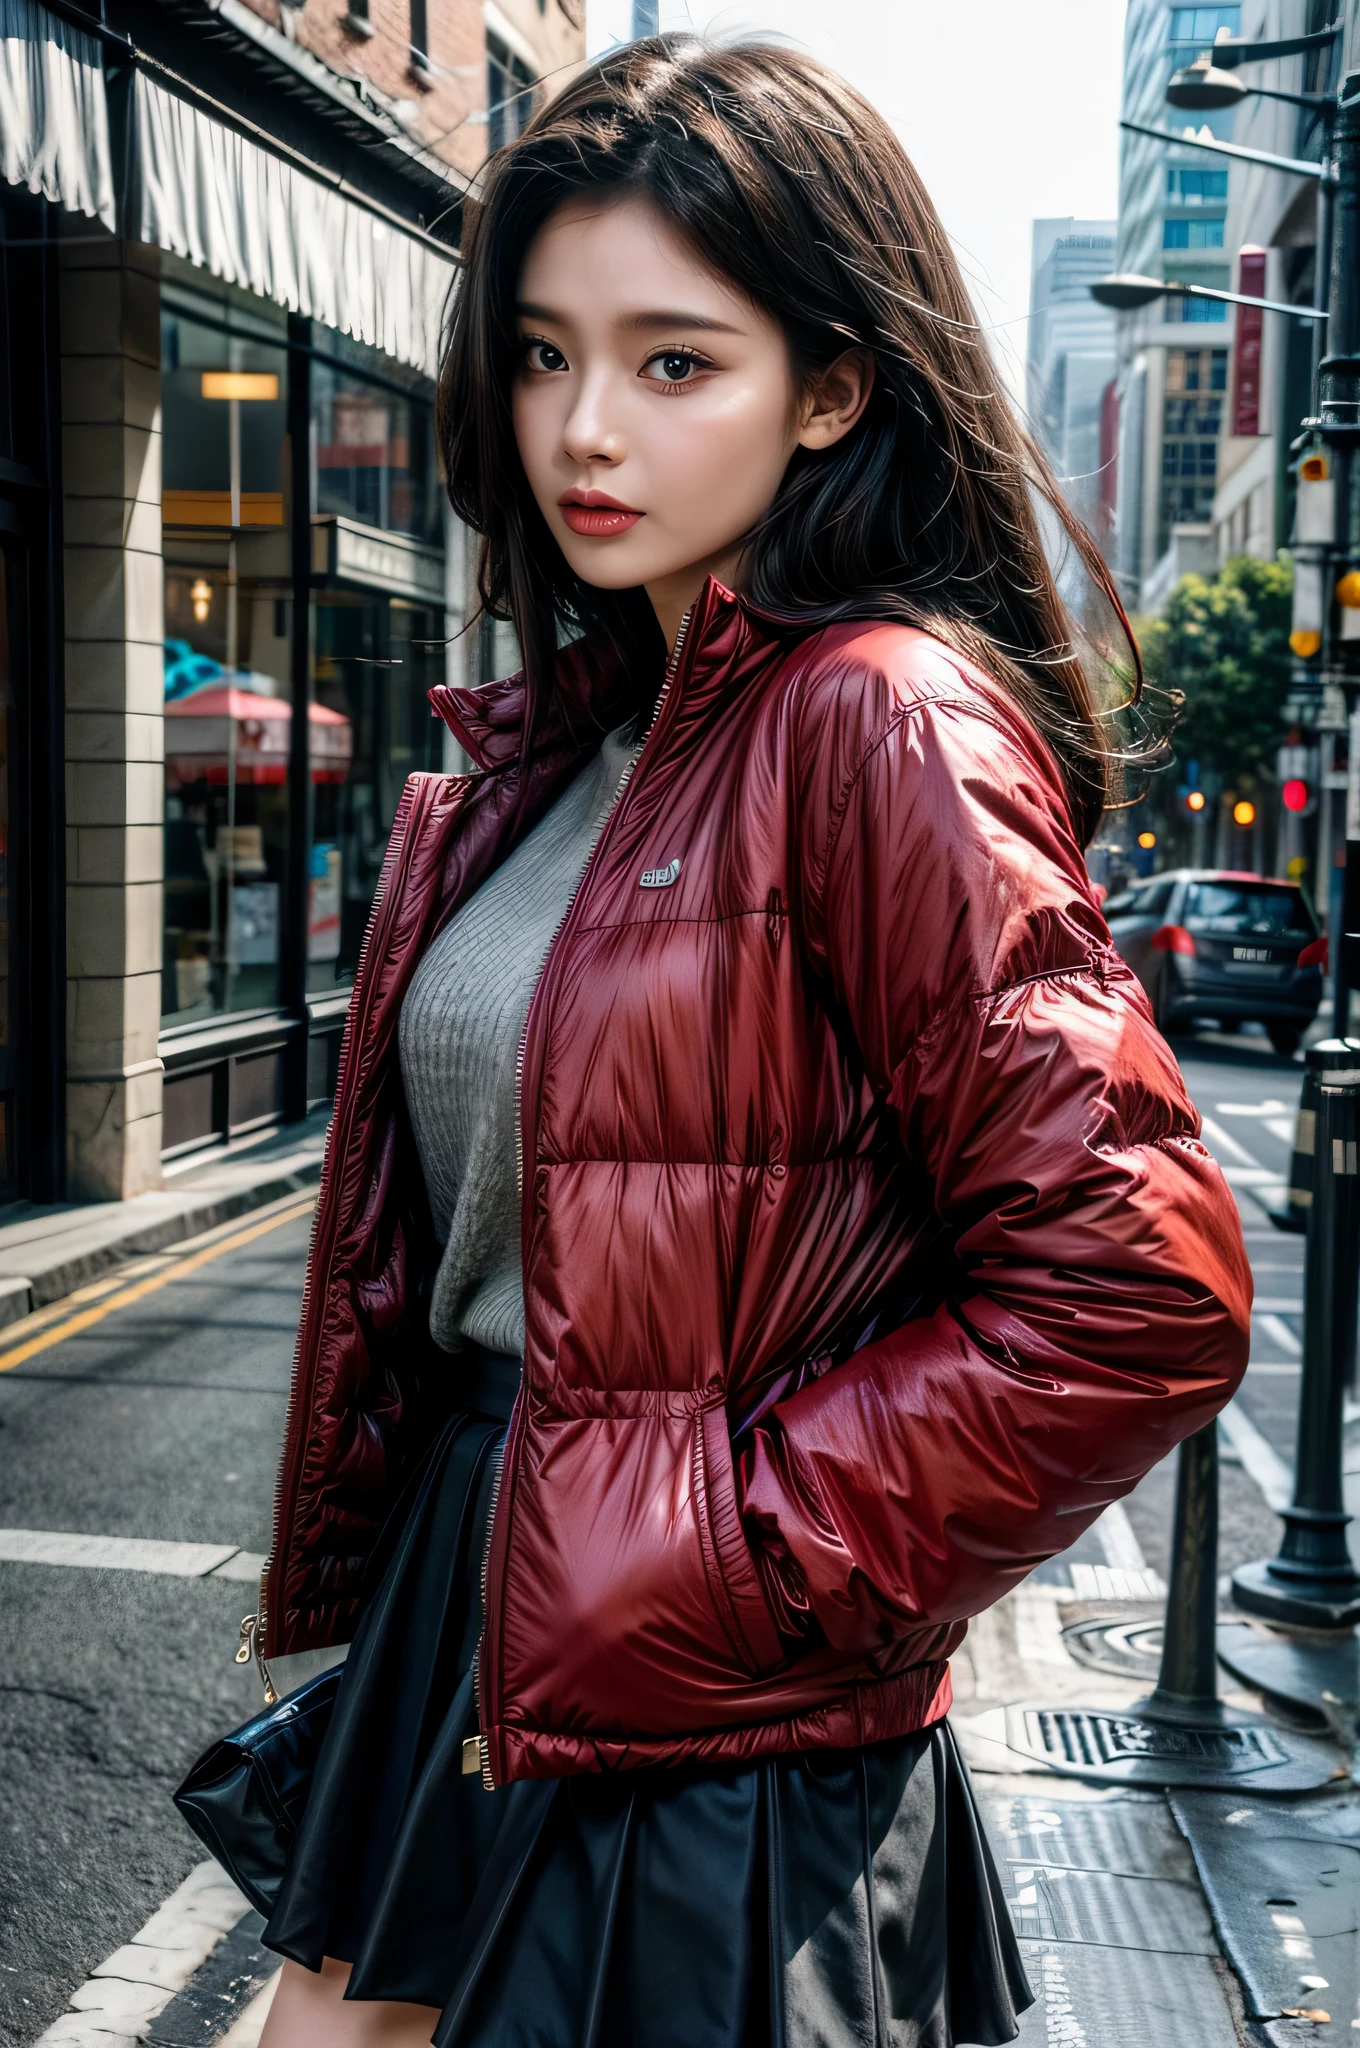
x: 54, y: 122
x: 209, y: 194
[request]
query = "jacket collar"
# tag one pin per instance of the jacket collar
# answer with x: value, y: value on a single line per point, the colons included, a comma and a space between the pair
x: 591, y: 695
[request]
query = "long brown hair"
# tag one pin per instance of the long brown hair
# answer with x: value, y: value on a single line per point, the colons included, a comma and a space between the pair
x: 790, y: 185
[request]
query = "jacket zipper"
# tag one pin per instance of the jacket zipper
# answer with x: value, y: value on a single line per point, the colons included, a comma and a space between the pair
x: 630, y: 767
x: 253, y: 1627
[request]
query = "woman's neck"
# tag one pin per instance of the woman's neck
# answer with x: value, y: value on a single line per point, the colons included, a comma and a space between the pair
x: 672, y: 596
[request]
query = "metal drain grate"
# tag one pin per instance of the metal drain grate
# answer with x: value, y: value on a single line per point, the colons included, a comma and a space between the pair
x: 1078, y: 1738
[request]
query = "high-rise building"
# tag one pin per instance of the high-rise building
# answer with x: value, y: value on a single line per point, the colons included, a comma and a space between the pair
x: 1071, y: 359
x: 1173, y: 356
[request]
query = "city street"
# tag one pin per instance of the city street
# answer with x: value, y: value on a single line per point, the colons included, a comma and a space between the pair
x: 150, y: 1409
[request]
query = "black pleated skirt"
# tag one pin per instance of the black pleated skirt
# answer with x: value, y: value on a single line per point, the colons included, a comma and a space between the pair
x: 840, y: 1899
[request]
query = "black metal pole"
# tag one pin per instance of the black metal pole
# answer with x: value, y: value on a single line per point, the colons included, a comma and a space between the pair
x: 298, y: 886
x: 1312, y: 1583
x: 1187, y: 1684
x: 1339, y: 427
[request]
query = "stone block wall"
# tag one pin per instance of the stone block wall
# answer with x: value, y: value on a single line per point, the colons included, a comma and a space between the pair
x: 111, y: 481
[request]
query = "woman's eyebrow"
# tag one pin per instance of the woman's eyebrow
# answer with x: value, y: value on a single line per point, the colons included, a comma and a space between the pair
x: 641, y: 322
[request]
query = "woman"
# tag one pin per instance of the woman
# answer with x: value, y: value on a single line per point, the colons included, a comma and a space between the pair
x: 744, y: 1104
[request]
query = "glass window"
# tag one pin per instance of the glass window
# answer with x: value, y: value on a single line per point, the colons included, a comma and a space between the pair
x: 1194, y: 312
x: 1152, y: 901
x: 1186, y: 186
x: 227, y: 687
x: 374, y: 453
x: 9, y: 1010
x: 376, y: 658
x: 510, y: 94
x: 1193, y: 234
x: 1200, y: 25
x: 1192, y: 417
x: 1239, y: 909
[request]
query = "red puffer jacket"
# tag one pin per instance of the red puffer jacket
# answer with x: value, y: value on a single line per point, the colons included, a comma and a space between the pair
x: 865, y: 1221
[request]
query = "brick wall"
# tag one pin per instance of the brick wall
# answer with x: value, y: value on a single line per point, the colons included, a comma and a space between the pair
x: 442, y: 106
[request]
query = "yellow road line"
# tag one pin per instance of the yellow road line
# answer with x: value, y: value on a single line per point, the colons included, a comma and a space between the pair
x: 125, y: 1296
x: 146, y: 1262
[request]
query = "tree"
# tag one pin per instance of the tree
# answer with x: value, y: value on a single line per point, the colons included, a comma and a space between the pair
x: 1224, y: 642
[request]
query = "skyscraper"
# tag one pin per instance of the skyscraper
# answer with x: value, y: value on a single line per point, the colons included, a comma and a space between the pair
x: 1071, y: 358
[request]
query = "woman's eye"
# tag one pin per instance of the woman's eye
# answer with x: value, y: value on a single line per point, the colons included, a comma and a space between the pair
x: 541, y: 355
x: 674, y: 366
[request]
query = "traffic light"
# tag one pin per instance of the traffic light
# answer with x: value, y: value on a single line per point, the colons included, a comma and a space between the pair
x: 1294, y: 795
x: 1195, y: 800
x: 1244, y: 813
x: 1147, y: 840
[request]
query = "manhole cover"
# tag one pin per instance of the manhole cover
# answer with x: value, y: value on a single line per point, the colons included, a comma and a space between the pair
x: 1124, y: 1749
x: 1125, y: 1649
x: 1076, y: 1735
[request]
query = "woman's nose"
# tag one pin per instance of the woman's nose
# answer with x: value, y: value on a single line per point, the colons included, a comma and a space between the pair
x: 590, y: 434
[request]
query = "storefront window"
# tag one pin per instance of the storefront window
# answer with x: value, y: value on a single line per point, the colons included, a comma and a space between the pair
x: 227, y: 653
x: 374, y: 453
x: 6, y: 932
x: 376, y: 658
x: 377, y: 630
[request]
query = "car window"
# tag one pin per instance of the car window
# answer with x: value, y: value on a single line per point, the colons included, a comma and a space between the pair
x: 1119, y: 906
x: 1152, y: 899
x: 1260, y: 909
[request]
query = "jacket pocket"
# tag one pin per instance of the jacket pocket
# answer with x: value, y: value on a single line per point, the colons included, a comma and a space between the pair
x: 732, y: 1576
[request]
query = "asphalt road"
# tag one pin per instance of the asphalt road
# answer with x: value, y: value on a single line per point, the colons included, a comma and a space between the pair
x: 160, y: 1421
x: 161, y: 1418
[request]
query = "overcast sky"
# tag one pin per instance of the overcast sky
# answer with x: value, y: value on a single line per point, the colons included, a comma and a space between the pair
x: 1010, y: 108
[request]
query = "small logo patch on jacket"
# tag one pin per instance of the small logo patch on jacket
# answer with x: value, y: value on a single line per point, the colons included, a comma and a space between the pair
x: 659, y: 878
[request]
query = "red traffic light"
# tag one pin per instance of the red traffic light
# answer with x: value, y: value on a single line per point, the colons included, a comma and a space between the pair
x: 1295, y: 795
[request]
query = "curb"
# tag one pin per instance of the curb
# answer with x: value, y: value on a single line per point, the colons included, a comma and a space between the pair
x: 21, y: 1294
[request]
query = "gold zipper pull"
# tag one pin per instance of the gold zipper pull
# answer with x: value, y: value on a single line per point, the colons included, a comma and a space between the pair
x: 252, y: 1645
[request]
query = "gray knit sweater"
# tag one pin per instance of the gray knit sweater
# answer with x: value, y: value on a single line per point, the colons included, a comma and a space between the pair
x: 460, y: 1032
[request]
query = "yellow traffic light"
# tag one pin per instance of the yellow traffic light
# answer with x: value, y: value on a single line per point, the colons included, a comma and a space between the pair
x: 1196, y: 800
x: 1348, y: 590
x: 1147, y: 839
x: 1305, y: 644
x: 1244, y: 813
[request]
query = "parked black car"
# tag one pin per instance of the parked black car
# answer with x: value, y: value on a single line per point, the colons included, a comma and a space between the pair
x: 1207, y: 942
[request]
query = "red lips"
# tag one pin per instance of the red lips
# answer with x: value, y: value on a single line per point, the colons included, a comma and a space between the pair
x: 596, y: 514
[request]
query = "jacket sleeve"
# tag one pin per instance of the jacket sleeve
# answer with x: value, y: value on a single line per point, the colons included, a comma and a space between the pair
x: 1097, y: 1306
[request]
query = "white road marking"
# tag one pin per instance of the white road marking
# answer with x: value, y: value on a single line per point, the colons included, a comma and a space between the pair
x: 129, y: 1554
x: 1114, y: 1533
x: 1251, y: 1177
x: 1279, y: 1333
x: 1273, y: 1365
x: 1102, y: 1582
x: 1283, y: 1128
x: 117, y: 2004
x: 1283, y: 1305
x: 1269, y: 1108
x: 1260, y: 1460
x: 1225, y: 1141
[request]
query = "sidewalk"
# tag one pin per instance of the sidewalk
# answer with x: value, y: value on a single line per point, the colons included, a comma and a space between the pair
x: 48, y: 1251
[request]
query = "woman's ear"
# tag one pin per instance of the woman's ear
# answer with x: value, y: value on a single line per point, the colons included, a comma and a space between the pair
x: 837, y: 399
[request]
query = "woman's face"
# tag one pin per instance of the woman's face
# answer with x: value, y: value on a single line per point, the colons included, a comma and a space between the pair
x: 655, y: 408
